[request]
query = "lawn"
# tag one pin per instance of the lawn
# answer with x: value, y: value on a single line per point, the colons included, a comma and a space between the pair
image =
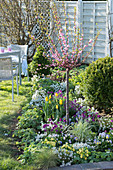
x: 9, y: 111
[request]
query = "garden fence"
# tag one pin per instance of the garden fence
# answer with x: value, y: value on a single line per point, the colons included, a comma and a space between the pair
x: 94, y: 16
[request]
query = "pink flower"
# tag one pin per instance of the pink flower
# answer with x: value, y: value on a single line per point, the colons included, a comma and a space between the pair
x: 90, y: 41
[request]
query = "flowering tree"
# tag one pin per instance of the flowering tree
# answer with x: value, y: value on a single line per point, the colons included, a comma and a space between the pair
x: 63, y: 56
x: 60, y: 54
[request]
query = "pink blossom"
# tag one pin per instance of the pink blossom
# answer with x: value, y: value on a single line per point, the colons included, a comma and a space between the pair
x: 90, y: 41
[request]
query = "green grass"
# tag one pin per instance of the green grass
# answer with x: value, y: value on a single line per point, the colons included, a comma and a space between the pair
x: 9, y: 111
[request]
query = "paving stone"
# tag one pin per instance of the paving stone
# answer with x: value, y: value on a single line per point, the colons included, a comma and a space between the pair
x: 88, y: 166
x: 106, y: 165
x: 72, y: 167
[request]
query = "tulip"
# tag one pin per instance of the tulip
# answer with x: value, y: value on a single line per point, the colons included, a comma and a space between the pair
x: 56, y: 94
x: 49, y: 96
x: 46, y: 99
x: 60, y: 101
x: 56, y: 106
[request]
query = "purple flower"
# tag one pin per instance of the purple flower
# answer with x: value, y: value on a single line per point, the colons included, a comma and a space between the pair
x: 111, y: 120
x: 60, y: 142
x: 45, y: 125
x: 49, y: 119
x: 93, y: 119
x: 69, y: 141
x: 75, y: 101
x: 98, y: 116
x: 64, y: 120
x: 51, y: 123
x: 55, y: 126
x: 95, y: 141
x: 58, y: 122
x: 56, y: 130
x: 45, y: 130
x: 60, y: 119
x: 89, y: 109
x: 89, y: 115
x: 83, y: 115
x: 61, y: 126
x: 75, y: 138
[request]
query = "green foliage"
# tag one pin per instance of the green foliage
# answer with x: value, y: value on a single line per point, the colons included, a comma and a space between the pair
x: 8, y: 164
x: 39, y: 62
x: 45, y: 159
x: 30, y: 119
x: 100, y: 156
x: 97, y: 83
x: 82, y: 131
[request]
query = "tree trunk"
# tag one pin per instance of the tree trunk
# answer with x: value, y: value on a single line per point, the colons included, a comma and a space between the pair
x: 67, y: 97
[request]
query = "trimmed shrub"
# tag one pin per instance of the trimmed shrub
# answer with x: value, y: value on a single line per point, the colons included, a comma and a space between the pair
x: 97, y: 83
x: 40, y: 62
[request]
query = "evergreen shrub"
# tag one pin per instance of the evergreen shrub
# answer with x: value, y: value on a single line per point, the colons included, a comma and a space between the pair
x: 39, y: 62
x: 97, y: 83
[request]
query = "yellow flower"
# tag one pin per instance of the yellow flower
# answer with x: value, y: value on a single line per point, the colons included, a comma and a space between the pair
x: 87, y: 151
x: 60, y: 101
x: 53, y: 144
x: 46, y: 99
x: 73, y: 149
x: 56, y: 106
x: 49, y: 102
x: 49, y: 96
x: 85, y: 158
x: 56, y: 94
x: 81, y: 156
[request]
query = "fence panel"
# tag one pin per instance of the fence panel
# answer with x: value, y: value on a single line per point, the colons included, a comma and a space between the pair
x: 94, y: 17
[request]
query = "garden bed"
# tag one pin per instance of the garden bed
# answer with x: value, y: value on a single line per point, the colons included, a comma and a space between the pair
x: 45, y: 136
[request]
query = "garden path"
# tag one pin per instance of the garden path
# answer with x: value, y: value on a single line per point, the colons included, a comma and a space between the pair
x: 105, y: 165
